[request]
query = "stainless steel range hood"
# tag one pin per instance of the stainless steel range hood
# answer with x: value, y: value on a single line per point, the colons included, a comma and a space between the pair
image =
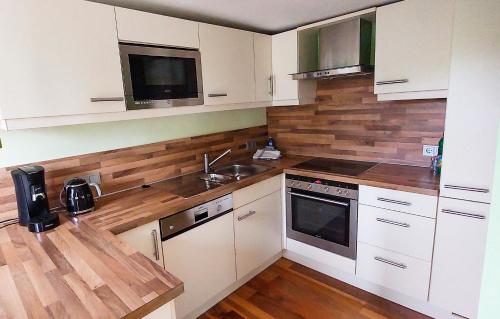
x: 340, y: 49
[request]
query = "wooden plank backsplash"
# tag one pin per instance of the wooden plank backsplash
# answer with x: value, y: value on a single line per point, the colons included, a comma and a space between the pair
x: 134, y: 166
x: 348, y: 122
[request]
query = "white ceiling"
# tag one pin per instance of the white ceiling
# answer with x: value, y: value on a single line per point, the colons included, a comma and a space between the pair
x: 268, y: 16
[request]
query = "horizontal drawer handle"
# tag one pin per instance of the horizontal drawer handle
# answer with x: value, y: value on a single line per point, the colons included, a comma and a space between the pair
x: 458, y: 316
x: 392, y: 201
x: 469, y: 189
x: 319, y: 199
x: 217, y: 94
x: 393, y: 82
x: 250, y: 213
x: 107, y: 99
x: 469, y: 215
x: 392, y: 222
x: 390, y: 262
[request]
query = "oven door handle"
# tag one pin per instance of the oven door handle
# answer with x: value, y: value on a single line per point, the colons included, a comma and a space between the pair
x: 319, y: 199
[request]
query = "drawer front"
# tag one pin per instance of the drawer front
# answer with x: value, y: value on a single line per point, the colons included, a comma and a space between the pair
x: 252, y: 193
x: 401, y: 273
x: 411, y: 203
x: 403, y: 233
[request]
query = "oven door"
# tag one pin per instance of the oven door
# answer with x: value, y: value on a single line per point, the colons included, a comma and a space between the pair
x: 161, y: 77
x: 323, y: 221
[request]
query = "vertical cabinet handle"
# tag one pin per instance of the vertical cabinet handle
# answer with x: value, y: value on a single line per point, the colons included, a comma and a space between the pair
x: 156, y: 250
x: 271, y: 85
x: 250, y: 213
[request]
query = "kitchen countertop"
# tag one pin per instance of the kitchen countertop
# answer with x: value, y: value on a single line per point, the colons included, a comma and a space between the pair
x: 78, y: 271
x: 81, y: 268
x: 398, y: 177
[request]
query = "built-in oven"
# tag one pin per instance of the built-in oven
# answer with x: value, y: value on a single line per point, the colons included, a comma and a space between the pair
x: 322, y: 213
x: 156, y: 77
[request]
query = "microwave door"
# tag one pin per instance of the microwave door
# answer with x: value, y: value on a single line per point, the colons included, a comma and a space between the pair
x: 160, y: 77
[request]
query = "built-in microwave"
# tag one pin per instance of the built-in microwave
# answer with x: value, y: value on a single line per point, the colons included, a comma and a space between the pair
x: 157, y: 77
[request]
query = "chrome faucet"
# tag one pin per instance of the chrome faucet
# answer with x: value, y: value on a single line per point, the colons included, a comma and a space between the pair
x: 207, y: 165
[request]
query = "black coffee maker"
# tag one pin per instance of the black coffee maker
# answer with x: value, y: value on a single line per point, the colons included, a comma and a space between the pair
x: 32, y: 202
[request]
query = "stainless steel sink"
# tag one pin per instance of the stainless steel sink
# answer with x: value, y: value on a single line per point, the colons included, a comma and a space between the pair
x: 217, y: 178
x: 241, y: 171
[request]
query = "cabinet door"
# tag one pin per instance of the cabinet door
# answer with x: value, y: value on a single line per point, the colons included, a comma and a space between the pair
x: 284, y: 52
x: 257, y: 228
x: 203, y: 258
x: 413, y: 44
x: 146, y: 240
x: 228, y: 65
x: 263, y: 67
x: 458, y: 256
x: 57, y: 56
x: 473, y: 112
x: 145, y: 27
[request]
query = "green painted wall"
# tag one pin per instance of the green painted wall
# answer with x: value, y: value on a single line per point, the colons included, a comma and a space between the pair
x: 27, y: 146
x: 490, y: 290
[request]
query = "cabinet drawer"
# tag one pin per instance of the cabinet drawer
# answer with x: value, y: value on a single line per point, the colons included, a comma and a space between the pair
x: 412, y: 203
x: 401, y: 273
x: 403, y: 233
x: 252, y: 193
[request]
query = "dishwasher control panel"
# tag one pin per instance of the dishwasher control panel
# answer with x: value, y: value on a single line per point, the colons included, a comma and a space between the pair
x: 174, y: 225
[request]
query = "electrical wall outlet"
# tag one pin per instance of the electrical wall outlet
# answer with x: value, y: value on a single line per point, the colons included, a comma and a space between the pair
x: 430, y: 150
x: 251, y: 144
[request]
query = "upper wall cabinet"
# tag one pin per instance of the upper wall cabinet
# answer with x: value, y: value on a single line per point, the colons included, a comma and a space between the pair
x: 227, y: 63
x: 263, y: 67
x: 287, y: 91
x: 59, y: 57
x: 413, y: 48
x: 143, y: 27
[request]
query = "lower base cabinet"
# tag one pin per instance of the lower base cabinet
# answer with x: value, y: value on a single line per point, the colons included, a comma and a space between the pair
x: 203, y: 258
x: 257, y: 228
x: 459, y: 255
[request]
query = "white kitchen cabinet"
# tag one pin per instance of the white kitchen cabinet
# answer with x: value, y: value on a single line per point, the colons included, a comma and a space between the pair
x: 146, y: 240
x: 263, y: 67
x: 458, y: 256
x: 287, y: 91
x: 472, y: 112
x: 227, y: 60
x: 403, y: 233
x: 203, y: 258
x: 166, y: 311
x: 59, y: 57
x: 258, y: 233
x: 413, y: 45
x: 144, y: 27
x: 258, y: 190
x: 398, y: 272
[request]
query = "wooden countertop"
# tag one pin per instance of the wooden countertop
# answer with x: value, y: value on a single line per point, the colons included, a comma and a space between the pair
x: 77, y: 271
x: 82, y: 269
x: 398, y: 177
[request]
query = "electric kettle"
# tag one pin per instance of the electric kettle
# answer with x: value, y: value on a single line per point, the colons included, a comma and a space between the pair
x: 79, y: 197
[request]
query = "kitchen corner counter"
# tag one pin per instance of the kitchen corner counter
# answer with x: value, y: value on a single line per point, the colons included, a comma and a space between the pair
x: 77, y: 271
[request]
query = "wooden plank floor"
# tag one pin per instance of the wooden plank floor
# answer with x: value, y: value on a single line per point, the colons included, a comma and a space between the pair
x: 289, y: 290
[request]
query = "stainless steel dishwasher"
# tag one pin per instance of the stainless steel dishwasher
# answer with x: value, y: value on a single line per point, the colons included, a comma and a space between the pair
x: 198, y: 247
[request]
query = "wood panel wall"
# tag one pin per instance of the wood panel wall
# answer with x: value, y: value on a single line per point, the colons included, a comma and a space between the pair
x: 134, y: 166
x: 348, y: 122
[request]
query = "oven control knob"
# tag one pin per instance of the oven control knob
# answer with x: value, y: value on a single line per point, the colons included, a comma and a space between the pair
x: 339, y: 191
x: 346, y: 193
x: 327, y: 189
x: 219, y: 207
x: 298, y: 184
x: 309, y: 186
x: 292, y: 183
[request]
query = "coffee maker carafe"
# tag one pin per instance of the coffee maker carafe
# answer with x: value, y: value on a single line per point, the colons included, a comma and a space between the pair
x: 32, y: 202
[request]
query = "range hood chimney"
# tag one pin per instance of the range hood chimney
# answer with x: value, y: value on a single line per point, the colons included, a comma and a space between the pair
x: 340, y: 49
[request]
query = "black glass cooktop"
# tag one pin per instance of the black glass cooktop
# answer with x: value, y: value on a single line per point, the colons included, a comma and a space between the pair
x: 335, y: 166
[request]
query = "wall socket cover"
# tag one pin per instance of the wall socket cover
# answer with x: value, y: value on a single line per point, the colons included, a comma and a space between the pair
x: 430, y: 150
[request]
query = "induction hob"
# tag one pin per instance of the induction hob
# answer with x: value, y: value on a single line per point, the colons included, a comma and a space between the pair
x: 336, y: 166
